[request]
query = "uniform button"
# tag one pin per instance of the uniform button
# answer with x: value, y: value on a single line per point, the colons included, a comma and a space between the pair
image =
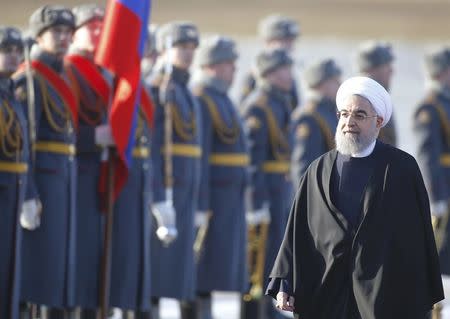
x: 143, y: 139
x: 70, y: 158
x: 145, y: 166
x: 20, y: 182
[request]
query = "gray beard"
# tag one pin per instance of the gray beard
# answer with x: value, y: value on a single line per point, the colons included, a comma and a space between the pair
x: 354, y: 144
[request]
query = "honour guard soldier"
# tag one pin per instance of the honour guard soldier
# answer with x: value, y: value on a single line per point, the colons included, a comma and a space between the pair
x: 432, y: 133
x: 176, y: 162
x: 91, y: 86
x: 130, y: 264
x: 278, y: 32
x: 374, y: 60
x: 150, y: 53
x: 221, y: 253
x: 13, y: 170
x: 267, y: 113
x: 314, y: 124
x: 48, y: 248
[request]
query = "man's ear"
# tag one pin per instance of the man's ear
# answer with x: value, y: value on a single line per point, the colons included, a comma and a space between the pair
x: 380, y: 121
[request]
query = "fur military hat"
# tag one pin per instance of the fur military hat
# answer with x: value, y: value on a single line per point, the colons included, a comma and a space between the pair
x: 437, y: 61
x: 176, y: 33
x: 215, y: 50
x: 87, y: 12
x: 269, y: 61
x: 372, y: 54
x: 278, y: 27
x: 49, y: 16
x: 321, y: 71
x: 10, y: 36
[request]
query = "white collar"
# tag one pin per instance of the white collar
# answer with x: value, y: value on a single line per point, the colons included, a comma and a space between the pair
x: 367, y: 151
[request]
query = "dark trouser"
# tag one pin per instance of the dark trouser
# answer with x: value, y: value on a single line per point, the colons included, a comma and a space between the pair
x: 188, y: 310
x: 28, y: 311
x: 259, y: 309
x: 88, y: 314
x: 204, y: 305
x: 143, y: 315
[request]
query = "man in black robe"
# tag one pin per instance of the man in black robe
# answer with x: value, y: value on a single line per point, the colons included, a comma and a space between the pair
x: 359, y: 240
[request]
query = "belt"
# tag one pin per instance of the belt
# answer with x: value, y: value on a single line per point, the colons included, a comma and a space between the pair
x: 55, y: 147
x: 445, y: 160
x: 13, y: 167
x: 186, y: 150
x: 141, y: 152
x: 229, y: 159
x: 277, y: 167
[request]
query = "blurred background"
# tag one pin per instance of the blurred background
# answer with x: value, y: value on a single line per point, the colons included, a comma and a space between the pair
x: 329, y: 28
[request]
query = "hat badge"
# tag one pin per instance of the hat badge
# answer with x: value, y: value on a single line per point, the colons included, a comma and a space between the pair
x: 191, y: 33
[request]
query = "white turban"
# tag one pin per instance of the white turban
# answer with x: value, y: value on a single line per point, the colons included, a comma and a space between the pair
x: 369, y: 89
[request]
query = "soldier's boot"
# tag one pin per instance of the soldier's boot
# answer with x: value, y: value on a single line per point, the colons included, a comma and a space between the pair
x: 88, y: 313
x: 52, y: 313
x: 188, y: 310
x: 25, y: 311
x: 250, y: 309
x: 143, y: 315
x: 73, y: 313
x: 204, y: 307
x: 436, y: 313
x: 155, y: 308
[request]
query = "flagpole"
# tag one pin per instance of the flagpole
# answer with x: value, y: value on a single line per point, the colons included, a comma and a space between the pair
x: 107, y: 239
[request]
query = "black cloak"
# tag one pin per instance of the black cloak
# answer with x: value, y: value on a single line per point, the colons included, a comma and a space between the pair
x: 387, y: 268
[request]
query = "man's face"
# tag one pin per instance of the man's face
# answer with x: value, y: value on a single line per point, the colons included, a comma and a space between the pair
x: 282, y: 43
x: 282, y: 78
x: 56, y: 40
x: 10, y: 58
x: 330, y: 87
x: 225, y: 71
x: 87, y: 36
x: 181, y: 55
x: 382, y: 74
x: 446, y: 77
x: 358, y: 126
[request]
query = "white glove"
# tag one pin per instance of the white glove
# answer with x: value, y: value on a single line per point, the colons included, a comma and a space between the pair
x: 259, y: 216
x: 30, y: 215
x: 439, y: 209
x: 165, y: 216
x: 201, y: 219
x: 103, y: 136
